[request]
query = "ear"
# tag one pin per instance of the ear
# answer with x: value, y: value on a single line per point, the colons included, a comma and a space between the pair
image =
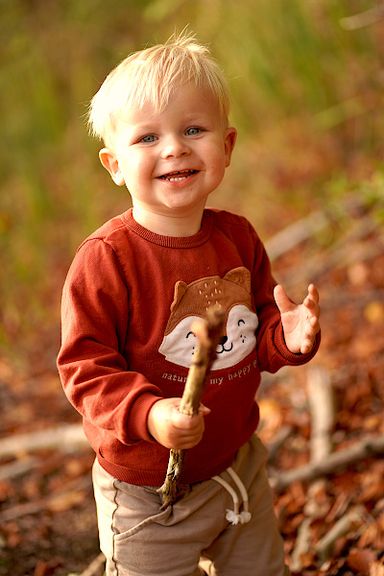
x: 111, y: 163
x: 229, y: 143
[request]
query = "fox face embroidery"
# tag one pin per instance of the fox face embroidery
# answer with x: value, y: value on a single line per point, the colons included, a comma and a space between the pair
x: 233, y: 293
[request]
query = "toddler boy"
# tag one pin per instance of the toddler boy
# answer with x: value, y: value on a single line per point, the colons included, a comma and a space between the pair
x: 131, y: 295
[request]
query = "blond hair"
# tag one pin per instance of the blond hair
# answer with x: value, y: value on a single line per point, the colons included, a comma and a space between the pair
x: 151, y: 76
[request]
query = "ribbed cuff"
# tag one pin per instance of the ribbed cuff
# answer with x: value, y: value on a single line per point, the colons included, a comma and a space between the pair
x: 138, y: 417
x: 292, y: 358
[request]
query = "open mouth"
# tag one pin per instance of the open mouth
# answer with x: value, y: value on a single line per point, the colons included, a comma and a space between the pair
x: 178, y: 175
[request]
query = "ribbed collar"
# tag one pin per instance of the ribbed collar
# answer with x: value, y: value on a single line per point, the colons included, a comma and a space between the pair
x: 171, y: 241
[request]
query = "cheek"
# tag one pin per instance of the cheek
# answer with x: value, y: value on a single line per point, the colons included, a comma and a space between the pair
x: 136, y: 168
x: 217, y: 162
x: 219, y: 172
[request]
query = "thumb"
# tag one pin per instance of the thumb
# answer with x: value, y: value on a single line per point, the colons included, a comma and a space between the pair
x: 204, y: 410
x: 283, y: 303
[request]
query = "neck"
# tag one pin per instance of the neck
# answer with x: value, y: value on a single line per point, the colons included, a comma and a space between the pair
x: 169, y: 225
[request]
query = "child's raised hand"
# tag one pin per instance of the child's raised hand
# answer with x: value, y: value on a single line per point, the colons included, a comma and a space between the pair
x: 173, y: 429
x: 300, y: 321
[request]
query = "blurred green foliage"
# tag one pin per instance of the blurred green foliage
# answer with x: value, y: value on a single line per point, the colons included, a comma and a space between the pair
x: 307, y: 99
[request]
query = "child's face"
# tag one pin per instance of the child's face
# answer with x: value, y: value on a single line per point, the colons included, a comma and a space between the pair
x: 172, y: 160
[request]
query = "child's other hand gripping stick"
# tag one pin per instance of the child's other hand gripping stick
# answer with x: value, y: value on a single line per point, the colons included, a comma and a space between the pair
x: 173, y: 429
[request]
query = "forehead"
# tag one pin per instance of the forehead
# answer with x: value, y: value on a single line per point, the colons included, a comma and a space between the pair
x: 185, y: 102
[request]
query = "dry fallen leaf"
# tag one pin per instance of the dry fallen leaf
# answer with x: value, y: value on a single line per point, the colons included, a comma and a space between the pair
x: 271, y: 418
x: 374, y: 312
x: 361, y: 560
x: 63, y: 502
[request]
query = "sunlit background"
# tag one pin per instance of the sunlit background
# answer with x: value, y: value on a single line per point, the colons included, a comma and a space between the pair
x: 307, y: 84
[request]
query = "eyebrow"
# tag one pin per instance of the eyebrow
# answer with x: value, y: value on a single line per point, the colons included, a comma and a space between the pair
x: 135, y: 130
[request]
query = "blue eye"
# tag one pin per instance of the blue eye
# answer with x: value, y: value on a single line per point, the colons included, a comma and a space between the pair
x: 193, y: 131
x: 148, y: 138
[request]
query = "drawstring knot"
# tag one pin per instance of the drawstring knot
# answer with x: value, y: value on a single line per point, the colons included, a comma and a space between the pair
x: 235, y: 516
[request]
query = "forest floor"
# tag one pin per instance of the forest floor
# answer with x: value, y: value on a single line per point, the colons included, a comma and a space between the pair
x: 332, y: 519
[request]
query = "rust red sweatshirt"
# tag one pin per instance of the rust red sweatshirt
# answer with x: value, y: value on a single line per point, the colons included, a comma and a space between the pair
x: 128, y: 303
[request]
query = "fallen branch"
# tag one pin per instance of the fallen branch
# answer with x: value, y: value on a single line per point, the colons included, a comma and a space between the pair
x: 94, y: 567
x: 208, y: 334
x: 295, y: 234
x: 351, y: 521
x: 364, y: 449
x: 340, y: 255
x: 302, y: 546
x: 72, y: 496
x: 274, y: 446
x: 18, y: 468
x: 322, y: 411
x: 320, y: 398
x: 305, y: 228
x: 66, y: 438
x: 363, y: 19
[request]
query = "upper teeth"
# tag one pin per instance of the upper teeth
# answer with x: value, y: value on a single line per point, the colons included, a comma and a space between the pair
x: 177, y: 175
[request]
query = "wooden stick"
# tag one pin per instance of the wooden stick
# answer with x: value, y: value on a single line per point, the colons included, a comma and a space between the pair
x: 208, y: 333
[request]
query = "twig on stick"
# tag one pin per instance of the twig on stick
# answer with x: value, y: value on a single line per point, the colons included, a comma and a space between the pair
x: 208, y: 334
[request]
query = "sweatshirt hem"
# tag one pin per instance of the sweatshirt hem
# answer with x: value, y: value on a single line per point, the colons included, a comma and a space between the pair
x: 155, y: 478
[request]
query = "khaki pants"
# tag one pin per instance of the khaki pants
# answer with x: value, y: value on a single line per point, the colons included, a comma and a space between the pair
x: 138, y: 539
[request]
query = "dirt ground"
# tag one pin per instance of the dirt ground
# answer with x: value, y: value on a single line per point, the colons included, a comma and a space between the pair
x: 47, y: 513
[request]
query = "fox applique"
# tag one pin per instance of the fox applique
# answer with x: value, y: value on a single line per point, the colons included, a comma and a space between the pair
x: 233, y: 293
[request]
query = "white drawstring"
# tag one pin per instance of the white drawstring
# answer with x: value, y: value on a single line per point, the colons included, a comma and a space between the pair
x: 245, y: 514
x: 233, y: 516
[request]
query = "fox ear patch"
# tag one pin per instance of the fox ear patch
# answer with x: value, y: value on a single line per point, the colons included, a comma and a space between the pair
x: 240, y: 276
x: 180, y: 289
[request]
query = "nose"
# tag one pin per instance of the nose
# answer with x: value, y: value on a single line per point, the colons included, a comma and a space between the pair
x: 174, y: 147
